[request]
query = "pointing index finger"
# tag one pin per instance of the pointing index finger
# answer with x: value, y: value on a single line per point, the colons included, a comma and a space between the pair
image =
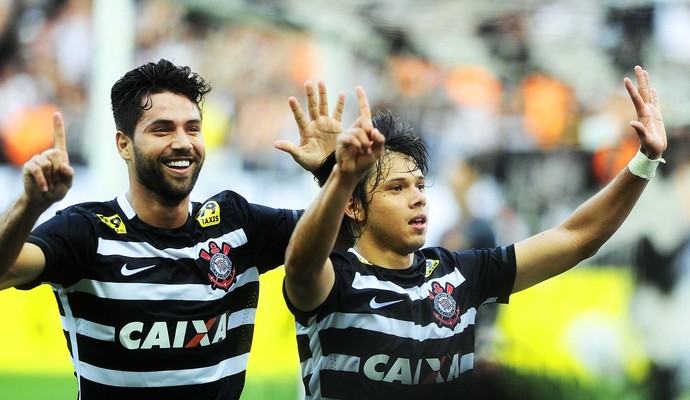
x: 59, y: 132
x: 364, y: 109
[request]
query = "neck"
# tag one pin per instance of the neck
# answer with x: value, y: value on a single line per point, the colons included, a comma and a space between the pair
x: 152, y: 210
x: 382, y: 256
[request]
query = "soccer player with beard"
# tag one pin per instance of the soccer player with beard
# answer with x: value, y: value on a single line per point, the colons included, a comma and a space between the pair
x: 157, y: 293
x: 390, y: 319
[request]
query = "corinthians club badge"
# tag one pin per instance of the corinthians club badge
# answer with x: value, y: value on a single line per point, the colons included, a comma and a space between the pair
x: 446, y: 309
x: 220, y: 266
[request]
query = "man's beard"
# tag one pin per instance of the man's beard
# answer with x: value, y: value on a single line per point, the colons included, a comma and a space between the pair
x: 150, y: 174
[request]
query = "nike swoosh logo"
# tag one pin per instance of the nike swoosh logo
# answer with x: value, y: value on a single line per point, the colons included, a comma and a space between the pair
x: 376, y: 305
x: 129, y: 272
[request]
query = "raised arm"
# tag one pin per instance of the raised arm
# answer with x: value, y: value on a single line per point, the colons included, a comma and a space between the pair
x: 309, y: 274
x: 556, y: 250
x: 318, y: 133
x: 47, y: 178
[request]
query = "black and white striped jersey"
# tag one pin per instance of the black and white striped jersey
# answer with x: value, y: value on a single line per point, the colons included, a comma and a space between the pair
x: 154, y: 313
x: 397, y: 334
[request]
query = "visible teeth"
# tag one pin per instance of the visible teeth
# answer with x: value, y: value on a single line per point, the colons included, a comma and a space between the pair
x: 179, y: 164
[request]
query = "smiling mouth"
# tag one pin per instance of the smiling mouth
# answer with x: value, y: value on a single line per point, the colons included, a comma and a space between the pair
x: 179, y: 164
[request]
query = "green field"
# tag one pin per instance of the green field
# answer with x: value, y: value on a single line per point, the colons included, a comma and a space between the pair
x: 60, y: 387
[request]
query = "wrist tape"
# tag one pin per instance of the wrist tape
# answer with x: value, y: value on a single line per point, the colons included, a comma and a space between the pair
x: 643, y: 167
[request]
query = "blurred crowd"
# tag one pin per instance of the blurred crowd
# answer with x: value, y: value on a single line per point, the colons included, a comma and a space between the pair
x: 522, y: 104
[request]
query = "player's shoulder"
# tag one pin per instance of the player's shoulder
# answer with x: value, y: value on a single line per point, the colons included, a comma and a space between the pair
x: 224, y: 199
x: 91, y: 208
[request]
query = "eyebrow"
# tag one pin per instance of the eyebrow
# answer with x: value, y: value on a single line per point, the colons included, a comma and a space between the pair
x: 403, y: 179
x: 166, y: 122
x: 169, y: 121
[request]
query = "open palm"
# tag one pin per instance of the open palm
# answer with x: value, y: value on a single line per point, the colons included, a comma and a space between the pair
x: 649, y: 126
x: 319, y: 131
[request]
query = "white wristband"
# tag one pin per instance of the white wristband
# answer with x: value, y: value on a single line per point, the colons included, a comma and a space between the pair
x: 643, y: 167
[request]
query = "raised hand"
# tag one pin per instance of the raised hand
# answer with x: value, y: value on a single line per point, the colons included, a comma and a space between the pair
x: 48, y: 176
x: 359, y: 147
x: 650, y: 124
x: 318, y: 133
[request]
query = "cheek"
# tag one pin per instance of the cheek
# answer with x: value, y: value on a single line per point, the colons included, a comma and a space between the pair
x: 199, y: 145
x: 384, y: 209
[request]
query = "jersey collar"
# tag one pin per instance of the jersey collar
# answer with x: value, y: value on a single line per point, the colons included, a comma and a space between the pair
x: 127, y: 208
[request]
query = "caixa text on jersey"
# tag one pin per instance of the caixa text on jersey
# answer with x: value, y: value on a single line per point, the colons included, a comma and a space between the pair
x: 174, y: 334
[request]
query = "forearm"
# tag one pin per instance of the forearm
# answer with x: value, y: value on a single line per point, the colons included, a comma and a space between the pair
x: 556, y: 250
x: 15, y: 226
x: 317, y: 230
x: 595, y: 221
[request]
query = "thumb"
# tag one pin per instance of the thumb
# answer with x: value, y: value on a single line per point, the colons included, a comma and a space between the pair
x: 286, y: 146
x: 640, y: 129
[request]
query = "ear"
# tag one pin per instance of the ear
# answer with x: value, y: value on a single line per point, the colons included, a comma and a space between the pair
x: 354, y: 211
x: 124, y: 145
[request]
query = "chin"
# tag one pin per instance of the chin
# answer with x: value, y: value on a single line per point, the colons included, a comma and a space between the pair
x: 416, y: 245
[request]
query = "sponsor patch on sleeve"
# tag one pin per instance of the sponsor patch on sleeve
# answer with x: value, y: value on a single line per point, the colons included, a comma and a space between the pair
x: 114, y: 222
x: 209, y: 214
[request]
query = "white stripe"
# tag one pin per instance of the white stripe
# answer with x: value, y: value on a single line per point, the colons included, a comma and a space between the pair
x: 369, y: 282
x: 242, y: 317
x: 93, y: 330
x: 391, y: 326
x: 195, y: 376
x: 153, y: 291
x: 316, y: 354
x: 340, y: 362
x: 142, y: 249
x: 69, y: 327
x: 107, y: 333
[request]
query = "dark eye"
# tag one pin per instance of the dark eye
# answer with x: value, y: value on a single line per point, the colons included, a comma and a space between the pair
x: 421, y: 187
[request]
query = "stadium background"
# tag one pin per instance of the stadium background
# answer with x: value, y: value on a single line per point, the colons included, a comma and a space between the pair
x: 522, y: 103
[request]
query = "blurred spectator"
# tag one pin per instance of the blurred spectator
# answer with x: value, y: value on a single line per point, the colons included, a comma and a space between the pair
x: 28, y: 132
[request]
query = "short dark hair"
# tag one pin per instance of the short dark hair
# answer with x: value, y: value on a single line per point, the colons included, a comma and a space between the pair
x: 400, y: 138
x: 131, y: 94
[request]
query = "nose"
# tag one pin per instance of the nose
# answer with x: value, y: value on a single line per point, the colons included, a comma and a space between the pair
x: 418, y: 198
x: 180, y: 140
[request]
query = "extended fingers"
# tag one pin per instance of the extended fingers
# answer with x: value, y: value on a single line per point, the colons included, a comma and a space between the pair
x: 323, y: 98
x: 297, y: 113
x: 50, y: 169
x: 655, y: 99
x: 339, y: 107
x: 59, y: 133
x: 643, y: 86
x: 312, y: 102
x: 635, y: 95
x: 364, y: 120
x: 364, y: 109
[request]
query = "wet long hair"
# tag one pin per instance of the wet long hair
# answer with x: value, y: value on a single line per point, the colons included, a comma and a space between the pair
x: 400, y: 138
